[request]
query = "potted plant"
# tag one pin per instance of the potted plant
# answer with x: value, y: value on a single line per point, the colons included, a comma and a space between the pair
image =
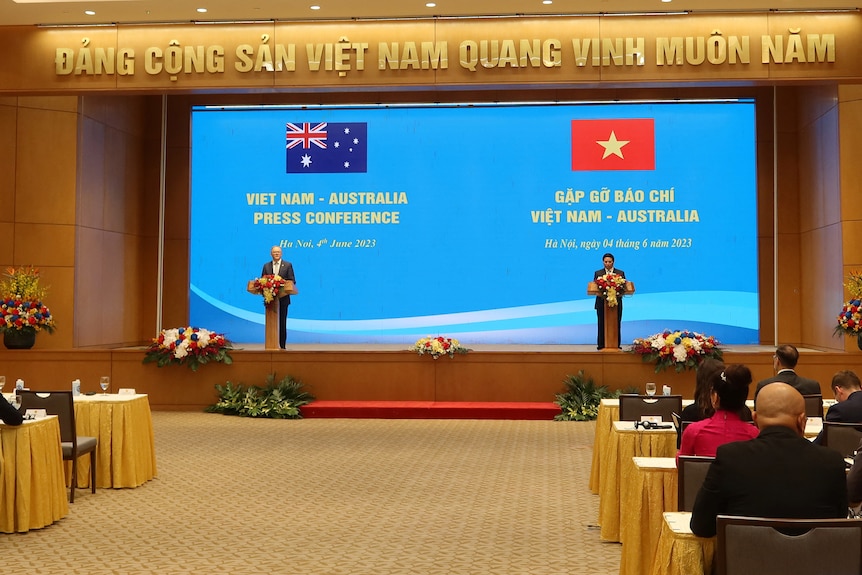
x: 850, y: 318
x: 22, y: 311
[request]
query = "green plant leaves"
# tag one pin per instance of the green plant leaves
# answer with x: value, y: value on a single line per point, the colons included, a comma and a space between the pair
x: 581, y: 400
x: 275, y: 400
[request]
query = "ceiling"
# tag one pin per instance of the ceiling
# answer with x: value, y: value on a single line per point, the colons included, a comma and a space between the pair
x: 31, y: 12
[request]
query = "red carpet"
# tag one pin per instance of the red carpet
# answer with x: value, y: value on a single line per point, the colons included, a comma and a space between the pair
x: 430, y: 410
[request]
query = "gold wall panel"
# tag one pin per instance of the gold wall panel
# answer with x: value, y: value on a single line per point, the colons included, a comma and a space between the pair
x: 696, y: 47
x: 482, y: 52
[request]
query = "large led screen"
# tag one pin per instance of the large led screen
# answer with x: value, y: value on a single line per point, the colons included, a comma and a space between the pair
x: 477, y: 221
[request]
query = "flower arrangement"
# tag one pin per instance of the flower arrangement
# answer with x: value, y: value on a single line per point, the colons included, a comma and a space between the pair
x: 680, y: 349
x: 191, y: 346
x: 850, y: 318
x: 610, y: 287
x: 437, y: 346
x: 21, y: 308
x: 268, y: 286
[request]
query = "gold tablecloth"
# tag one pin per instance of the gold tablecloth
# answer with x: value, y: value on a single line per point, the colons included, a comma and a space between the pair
x: 609, y: 411
x: 679, y: 551
x: 647, y: 492
x: 624, y: 443
x: 124, y: 426
x: 32, y: 490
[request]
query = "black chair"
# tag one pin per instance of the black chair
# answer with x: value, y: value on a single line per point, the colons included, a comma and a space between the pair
x: 762, y: 546
x: 60, y: 403
x: 842, y: 437
x: 813, y: 405
x: 633, y: 407
x: 691, y: 471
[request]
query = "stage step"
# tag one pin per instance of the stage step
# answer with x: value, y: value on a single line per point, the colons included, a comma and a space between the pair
x: 430, y: 410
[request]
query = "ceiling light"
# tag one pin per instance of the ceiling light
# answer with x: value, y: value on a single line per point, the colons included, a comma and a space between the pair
x: 315, y: 7
x: 430, y: 4
x: 89, y: 12
x: 201, y: 10
x: 552, y: 1
x: 666, y: 1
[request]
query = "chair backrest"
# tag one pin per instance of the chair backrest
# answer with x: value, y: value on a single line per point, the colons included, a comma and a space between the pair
x: 691, y: 471
x: 633, y: 407
x: 780, y: 546
x: 842, y: 437
x: 813, y: 405
x: 57, y: 403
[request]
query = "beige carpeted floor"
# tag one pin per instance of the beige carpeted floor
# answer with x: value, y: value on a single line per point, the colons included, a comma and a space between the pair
x: 338, y: 497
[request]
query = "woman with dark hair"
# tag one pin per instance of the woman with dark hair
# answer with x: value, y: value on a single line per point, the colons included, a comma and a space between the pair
x: 702, y: 406
x: 729, y: 390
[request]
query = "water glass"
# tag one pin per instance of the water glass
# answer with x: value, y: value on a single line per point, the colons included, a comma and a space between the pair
x: 104, y: 383
x: 650, y: 388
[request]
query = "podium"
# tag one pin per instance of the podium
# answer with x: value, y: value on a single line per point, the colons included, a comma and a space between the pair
x: 612, y: 316
x: 270, y: 340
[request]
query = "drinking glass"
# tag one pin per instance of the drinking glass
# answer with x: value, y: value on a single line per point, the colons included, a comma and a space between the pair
x: 650, y: 388
x: 105, y: 383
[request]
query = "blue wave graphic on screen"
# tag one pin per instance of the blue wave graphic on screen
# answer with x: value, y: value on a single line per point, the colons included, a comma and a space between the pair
x: 732, y: 317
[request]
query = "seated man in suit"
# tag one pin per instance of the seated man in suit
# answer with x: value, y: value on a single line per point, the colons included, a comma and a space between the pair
x: 784, y: 363
x: 778, y: 474
x: 846, y: 387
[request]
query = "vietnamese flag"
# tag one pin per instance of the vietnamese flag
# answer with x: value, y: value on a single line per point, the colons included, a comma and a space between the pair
x: 619, y: 144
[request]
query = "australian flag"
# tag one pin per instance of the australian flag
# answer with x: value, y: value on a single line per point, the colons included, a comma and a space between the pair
x: 327, y: 148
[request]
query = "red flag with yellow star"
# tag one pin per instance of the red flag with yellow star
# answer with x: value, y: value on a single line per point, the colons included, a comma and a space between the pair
x: 617, y: 144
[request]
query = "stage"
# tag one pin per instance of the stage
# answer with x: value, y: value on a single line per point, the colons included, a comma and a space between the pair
x: 489, y: 373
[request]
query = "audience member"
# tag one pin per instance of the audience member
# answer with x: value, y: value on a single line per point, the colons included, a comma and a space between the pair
x: 8, y: 414
x: 702, y: 406
x: 846, y: 387
x: 854, y: 479
x: 784, y: 363
x: 777, y: 474
x: 729, y: 390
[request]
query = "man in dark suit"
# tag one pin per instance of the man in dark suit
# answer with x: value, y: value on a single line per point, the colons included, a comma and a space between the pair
x: 848, y: 393
x: 284, y: 269
x: 784, y: 363
x: 777, y: 474
x: 608, y: 261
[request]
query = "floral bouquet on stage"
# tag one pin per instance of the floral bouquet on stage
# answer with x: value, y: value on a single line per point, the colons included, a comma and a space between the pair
x: 191, y: 346
x: 680, y: 349
x: 850, y: 318
x: 611, y: 287
x: 268, y: 286
x: 437, y: 346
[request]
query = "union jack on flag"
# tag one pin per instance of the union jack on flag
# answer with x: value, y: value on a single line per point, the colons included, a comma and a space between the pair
x: 327, y: 147
x: 306, y: 135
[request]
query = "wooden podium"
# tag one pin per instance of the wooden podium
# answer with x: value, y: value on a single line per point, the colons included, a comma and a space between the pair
x: 612, y: 316
x: 270, y: 340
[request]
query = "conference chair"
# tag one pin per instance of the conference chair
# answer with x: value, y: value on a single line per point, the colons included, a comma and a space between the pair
x: 763, y: 546
x: 813, y: 405
x: 691, y: 471
x: 60, y: 403
x: 842, y: 437
x: 633, y: 407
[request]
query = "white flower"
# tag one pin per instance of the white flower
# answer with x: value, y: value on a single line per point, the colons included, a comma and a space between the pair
x: 679, y: 352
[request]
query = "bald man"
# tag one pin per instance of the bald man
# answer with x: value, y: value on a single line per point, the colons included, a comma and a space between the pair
x: 777, y: 474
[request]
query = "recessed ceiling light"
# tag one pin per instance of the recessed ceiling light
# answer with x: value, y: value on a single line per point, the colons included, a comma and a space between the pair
x: 201, y: 10
x: 315, y: 7
x: 666, y: 1
x: 547, y: 1
x: 89, y: 12
x: 430, y: 4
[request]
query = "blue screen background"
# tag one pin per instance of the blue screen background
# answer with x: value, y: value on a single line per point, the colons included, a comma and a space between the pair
x: 467, y: 258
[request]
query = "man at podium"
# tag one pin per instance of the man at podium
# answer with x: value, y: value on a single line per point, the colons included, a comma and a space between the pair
x: 608, y: 261
x: 284, y: 269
